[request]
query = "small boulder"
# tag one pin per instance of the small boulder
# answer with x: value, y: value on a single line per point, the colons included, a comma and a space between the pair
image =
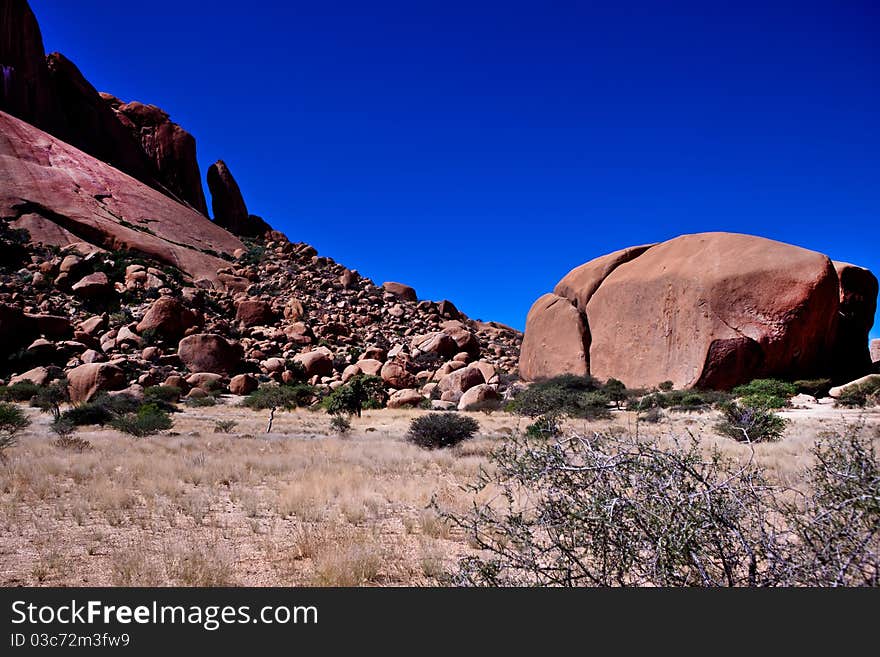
x: 39, y: 376
x: 405, y: 292
x: 243, y: 384
x: 93, y: 286
x: 254, y: 312
x: 85, y: 381
x: 405, y: 398
x: 478, y: 398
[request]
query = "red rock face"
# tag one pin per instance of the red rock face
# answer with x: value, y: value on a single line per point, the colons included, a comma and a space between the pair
x: 52, y: 94
x: 62, y: 196
x: 227, y: 203
x: 171, y: 149
x: 709, y: 310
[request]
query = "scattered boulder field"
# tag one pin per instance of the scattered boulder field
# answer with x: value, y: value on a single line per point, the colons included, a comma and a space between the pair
x: 113, y: 275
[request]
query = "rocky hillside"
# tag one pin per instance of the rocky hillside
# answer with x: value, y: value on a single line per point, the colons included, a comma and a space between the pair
x: 709, y: 310
x: 115, y: 320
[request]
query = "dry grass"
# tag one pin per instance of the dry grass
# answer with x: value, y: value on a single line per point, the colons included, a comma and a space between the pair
x: 298, y: 506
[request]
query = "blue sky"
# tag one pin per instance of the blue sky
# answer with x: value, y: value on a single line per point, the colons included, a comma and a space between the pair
x: 479, y: 150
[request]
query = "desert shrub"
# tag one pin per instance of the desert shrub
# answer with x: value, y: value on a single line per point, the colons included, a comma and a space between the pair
x: 436, y: 430
x: 101, y: 410
x: 340, y: 424
x: 611, y: 510
x: 575, y: 396
x: 665, y: 386
x: 750, y: 424
x: 763, y: 400
x: 12, y: 421
x: 224, y: 426
x: 679, y: 400
x: 148, y: 420
x: 201, y: 402
x: 544, y: 426
x: 20, y: 392
x: 814, y: 387
x: 62, y: 428
x: 766, y: 387
x: 352, y: 397
x: 169, y: 394
x: 72, y: 443
x: 860, y: 394
x: 836, y: 525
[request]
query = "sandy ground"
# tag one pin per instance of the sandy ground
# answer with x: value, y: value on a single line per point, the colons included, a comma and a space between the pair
x: 299, y: 506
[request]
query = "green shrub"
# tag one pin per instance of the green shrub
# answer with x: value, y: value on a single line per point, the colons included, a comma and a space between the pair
x: 436, y: 430
x: 761, y: 400
x: 12, y: 421
x: 679, y: 400
x: 666, y: 386
x: 62, y: 428
x: 102, y: 410
x: 148, y: 420
x: 351, y: 398
x: 224, y: 426
x: 766, y: 388
x: 20, y: 392
x: 169, y: 394
x: 575, y: 396
x: 814, y: 387
x: 750, y: 424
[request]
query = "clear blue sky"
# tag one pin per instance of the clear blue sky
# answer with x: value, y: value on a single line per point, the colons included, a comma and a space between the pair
x: 479, y: 150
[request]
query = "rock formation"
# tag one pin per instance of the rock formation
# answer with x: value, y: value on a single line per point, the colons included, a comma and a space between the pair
x: 61, y: 196
x: 50, y: 93
x: 170, y: 148
x: 228, y: 204
x: 709, y: 310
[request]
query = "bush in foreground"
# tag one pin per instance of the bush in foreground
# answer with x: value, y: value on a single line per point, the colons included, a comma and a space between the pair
x: 437, y: 430
x: 20, y: 392
x: 611, y: 510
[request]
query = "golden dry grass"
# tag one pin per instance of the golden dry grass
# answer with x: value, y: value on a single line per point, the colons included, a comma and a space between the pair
x: 298, y: 506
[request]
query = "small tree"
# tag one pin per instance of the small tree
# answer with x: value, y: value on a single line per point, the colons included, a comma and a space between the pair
x: 273, y: 397
x: 436, y: 430
x: 12, y: 421
x: 50, y: 398
x: 353, y: 397
x: 616, y: 391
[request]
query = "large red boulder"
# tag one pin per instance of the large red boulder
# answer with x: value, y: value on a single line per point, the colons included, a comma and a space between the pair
x: 706, y: 310
x: 207, y: 352
x: 400, y: 290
